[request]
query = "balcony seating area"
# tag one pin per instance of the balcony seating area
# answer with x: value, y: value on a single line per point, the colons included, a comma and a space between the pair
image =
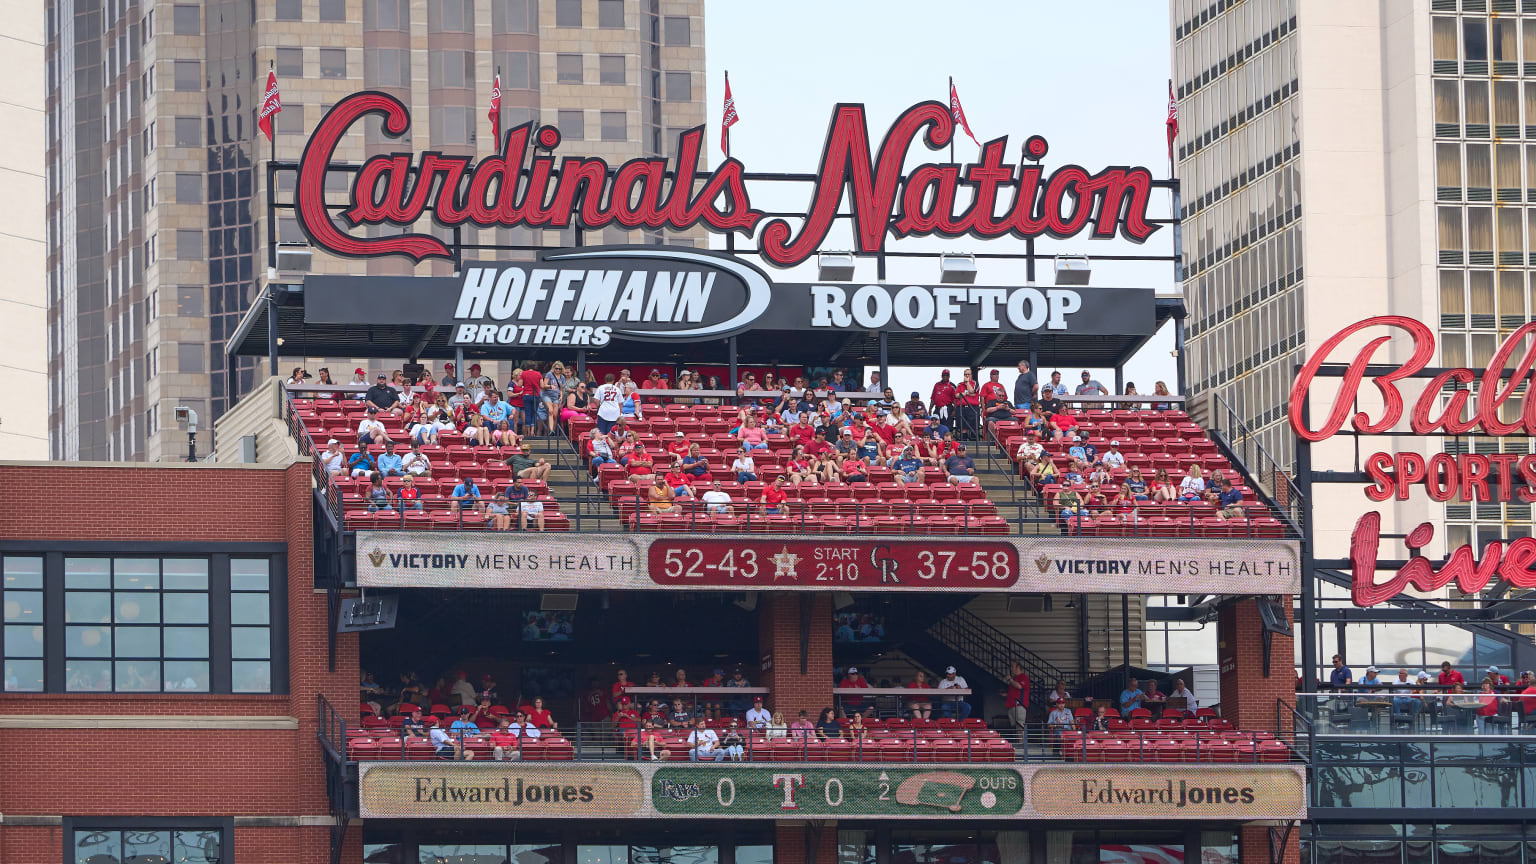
x: 1187, y: 738
x: 452, y: 460
x: 1151, y: 440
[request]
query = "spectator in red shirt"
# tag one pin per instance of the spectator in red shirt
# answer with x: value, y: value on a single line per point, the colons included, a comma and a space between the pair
x: 650, y: 743
x: 942, y: 399
x: 1018, y: 694
x: 854, y: 705
x: 678, y: 479
x: 505, y: 744
x: 681, y: 679
x: 640, y: 467
x: 968, y: 399
x: 626, y: 719
x: 540, y: 716
x: 774, y: 497
x: 921, y: 707
x: 594, y: 703
x: 621, y: 685
x: 1449, y: 676
x: 1498, y: 678
x: 679, y: 445
x: 802, y: 431
x: 529, y: 384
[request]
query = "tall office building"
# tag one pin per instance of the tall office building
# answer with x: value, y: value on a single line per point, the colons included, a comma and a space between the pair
x: 23, y: 353
x: 157, y: 172
x: 1345, y: 160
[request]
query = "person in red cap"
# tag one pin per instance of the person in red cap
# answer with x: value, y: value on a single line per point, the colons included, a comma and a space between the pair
x: 942, y: 399
x: 450, y: 375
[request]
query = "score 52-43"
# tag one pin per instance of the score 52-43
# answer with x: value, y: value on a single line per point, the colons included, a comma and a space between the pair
x: 785, y: 564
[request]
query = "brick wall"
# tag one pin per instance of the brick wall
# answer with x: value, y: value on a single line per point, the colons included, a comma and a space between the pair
x: 779, y: 616
x: 792, y: 843
x: 177, y: 772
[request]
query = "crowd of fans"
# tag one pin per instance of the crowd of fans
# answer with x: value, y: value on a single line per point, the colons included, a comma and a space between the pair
x: 1445, y: 699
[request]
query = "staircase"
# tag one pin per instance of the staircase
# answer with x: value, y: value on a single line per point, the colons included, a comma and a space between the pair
x: 570, y: 485
x: 986, y: 651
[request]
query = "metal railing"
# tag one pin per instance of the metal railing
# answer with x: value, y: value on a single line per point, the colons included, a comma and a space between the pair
x: 331, y: 728
x: 993, y: 650
x: 603, y: 742
x: 1389, y: 713
x: 1229, y: 430
x: 860, y: 516
x: 325, y: 484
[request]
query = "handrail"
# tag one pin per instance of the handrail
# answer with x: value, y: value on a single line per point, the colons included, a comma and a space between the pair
x: 331, y: 728
x: 325, y: 484
x: 1036, y: 742
x: 992, y: 650
x: 1261, y: 469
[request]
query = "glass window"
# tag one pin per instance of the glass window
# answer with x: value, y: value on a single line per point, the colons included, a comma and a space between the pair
x: 386, y: 15
x: 189, y: 188
x: 1372, y: 786
x: 610, y: 14
x: 567, y: 13
x: 189, y: 132
x: 517, y: 16
x: 1443, y: 35
x: 333, y: 10
x: 21, y: 641
x: 134, y: 846
x: 290, y: 61
x: 188, y: 74
x: 610, y: 69
x: 333, y: 62
x: 1504, y: 40
x: 615, y: 126
x: 519, y: 71
x: 677, y: 30
x: 145, y: 625
x: 679, y: 87
x: 571, y: 124
x: 1447, y: 102
x: 1477, y: 101
x: 289, y: 10
x: 568, y: 69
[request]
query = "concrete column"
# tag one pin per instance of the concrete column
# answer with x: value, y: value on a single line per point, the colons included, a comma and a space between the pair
x: 797, y: 843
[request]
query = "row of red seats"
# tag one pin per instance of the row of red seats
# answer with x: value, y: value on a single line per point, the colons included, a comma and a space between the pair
x: 541, y: 749
x: 437, y: 518
x: 834, y: 524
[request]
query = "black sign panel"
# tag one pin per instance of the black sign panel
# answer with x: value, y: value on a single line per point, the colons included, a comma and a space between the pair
x: 593, y: 295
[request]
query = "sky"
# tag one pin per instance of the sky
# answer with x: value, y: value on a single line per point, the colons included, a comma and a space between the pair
x: 1098, y: 94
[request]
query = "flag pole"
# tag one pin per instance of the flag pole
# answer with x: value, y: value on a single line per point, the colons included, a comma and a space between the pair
x: 722, y: 119
x: 1170, y: 143
x: 950, y: 97
x: 272, y: 67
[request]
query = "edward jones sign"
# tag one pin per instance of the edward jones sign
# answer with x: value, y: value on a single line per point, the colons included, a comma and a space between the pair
x: 769, y: 562
x: 497, y: 790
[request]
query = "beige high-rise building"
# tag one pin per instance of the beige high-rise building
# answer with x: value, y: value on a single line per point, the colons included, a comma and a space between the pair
x: 23, y: 309
x: 157, y: 186
x: 1346, y: 160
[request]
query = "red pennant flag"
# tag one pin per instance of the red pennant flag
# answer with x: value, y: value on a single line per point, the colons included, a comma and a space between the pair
x: 495, y: 113
x: 728, y: 118
x: 959, y: 113
x: 271, y: 104
x: 1173, y: 119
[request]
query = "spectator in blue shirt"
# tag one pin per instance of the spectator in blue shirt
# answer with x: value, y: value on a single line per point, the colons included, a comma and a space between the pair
x: 466, y: 495
x: 494, y: 410
x: 361, y: 463
x: 1130, y: 697
x: 960, y: 467
x: 390, y: 464
x: 1230, y: 501
x: 908, y: 468
x: 1341, y: 674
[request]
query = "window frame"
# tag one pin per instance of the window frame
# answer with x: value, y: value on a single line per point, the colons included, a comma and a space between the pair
x: 225, y: 825
x: 220, y: 634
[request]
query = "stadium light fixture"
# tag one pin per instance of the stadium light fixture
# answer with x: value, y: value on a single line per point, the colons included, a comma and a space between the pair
x: 188, y: 417
x: 1073, y: 270
x: 957, y: 269
x: 834, y: 266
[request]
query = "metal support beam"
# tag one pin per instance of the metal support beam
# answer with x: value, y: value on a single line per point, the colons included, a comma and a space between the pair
x: 852, y: 337
x: 885, y: 360
x: 1308, y: 607
x: 731, y: 348
x: 981, y: 356
x: 1178, y: 347
x: 421, y: 344
x: 271, y: 334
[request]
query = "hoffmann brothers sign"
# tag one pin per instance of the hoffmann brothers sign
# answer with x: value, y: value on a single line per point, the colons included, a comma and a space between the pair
x: 1470, y: 477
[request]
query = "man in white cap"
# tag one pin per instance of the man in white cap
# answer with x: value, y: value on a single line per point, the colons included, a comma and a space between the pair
x: 332, y: 459
x: 853, y: 705
x: 953, y: 706
x: 1498, y: 677
x: 1113, y: 458
x: 1371, y: 679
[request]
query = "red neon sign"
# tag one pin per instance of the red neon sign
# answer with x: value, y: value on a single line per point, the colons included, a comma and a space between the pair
x: 1427, y: 417
x: 512, y: 189
x: 1465, y: 477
